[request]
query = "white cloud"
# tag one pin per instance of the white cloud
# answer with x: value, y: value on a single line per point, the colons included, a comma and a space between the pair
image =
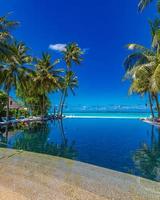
x: 57, y: 47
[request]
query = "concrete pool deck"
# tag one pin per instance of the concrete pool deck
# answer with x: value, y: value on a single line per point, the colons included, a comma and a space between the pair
x: 31, y: 176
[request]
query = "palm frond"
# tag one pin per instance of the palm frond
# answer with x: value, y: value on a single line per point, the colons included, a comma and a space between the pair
x: 158, y: 6
x: 140, y: 48
x: 143, y: 4
x: 134, y: 59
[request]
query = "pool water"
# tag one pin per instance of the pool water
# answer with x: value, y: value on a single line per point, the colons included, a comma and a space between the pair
x: 126, y: 145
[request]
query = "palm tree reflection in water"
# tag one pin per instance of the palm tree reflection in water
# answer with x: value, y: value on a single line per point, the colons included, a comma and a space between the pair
x: 35, y: 138
x: 147, y: 158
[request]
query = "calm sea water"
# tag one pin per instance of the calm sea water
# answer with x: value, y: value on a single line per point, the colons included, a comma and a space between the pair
x: 126, y: 145
x: 132, y: 115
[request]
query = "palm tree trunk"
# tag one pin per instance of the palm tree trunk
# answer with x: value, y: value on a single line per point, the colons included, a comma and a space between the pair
x: 29, y: 107
x: 60, y: 103
x: 6, y: 132
x: 43, y: 107
x: 150, y: 103
x: 157, y: 105
x: 159, y: 137
x: 7, y: 110
x: 7, y: 113
x: 63, y: 101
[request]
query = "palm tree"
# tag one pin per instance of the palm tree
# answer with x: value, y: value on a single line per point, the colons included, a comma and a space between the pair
x: 72, y: 54
x: 3, y: 102
x: 46, y: 77
x: 13, y: 68
x: 6, y: 26
x: 144, y: 3
x: 141, y: 85
x: 143, y: 68
x: 32, y: 97
x: 69, y: 82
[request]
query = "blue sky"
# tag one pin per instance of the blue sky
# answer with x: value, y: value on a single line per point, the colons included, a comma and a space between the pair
x: 103, y: 27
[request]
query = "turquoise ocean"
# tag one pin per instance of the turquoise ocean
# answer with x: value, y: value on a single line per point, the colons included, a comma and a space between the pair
x: 127, y: 115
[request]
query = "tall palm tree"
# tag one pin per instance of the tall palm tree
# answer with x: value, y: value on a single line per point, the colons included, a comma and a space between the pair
x: 143, y: 68
x: 147, y: 60
x: 13, y: 68
x: 46, y: 77
x: 69, y: 82
x: 72, y: 54
x: 144, y: 3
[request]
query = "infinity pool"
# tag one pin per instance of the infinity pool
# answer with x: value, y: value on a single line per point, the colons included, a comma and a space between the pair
x: 126, y: 145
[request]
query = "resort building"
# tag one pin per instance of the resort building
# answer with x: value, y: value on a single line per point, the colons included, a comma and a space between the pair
x: 13, y: 104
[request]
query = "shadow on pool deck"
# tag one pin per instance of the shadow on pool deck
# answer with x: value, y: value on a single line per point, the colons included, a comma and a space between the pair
x: 25, y: 175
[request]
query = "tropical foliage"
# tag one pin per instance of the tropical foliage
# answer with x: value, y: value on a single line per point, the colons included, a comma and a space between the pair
x: 69, y: 82
x: 144, y: 3
x: 143, y: 69
x: 142, y: 66
x: 34, y: 78
x: 71, y: 55
x: 3, y: 102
